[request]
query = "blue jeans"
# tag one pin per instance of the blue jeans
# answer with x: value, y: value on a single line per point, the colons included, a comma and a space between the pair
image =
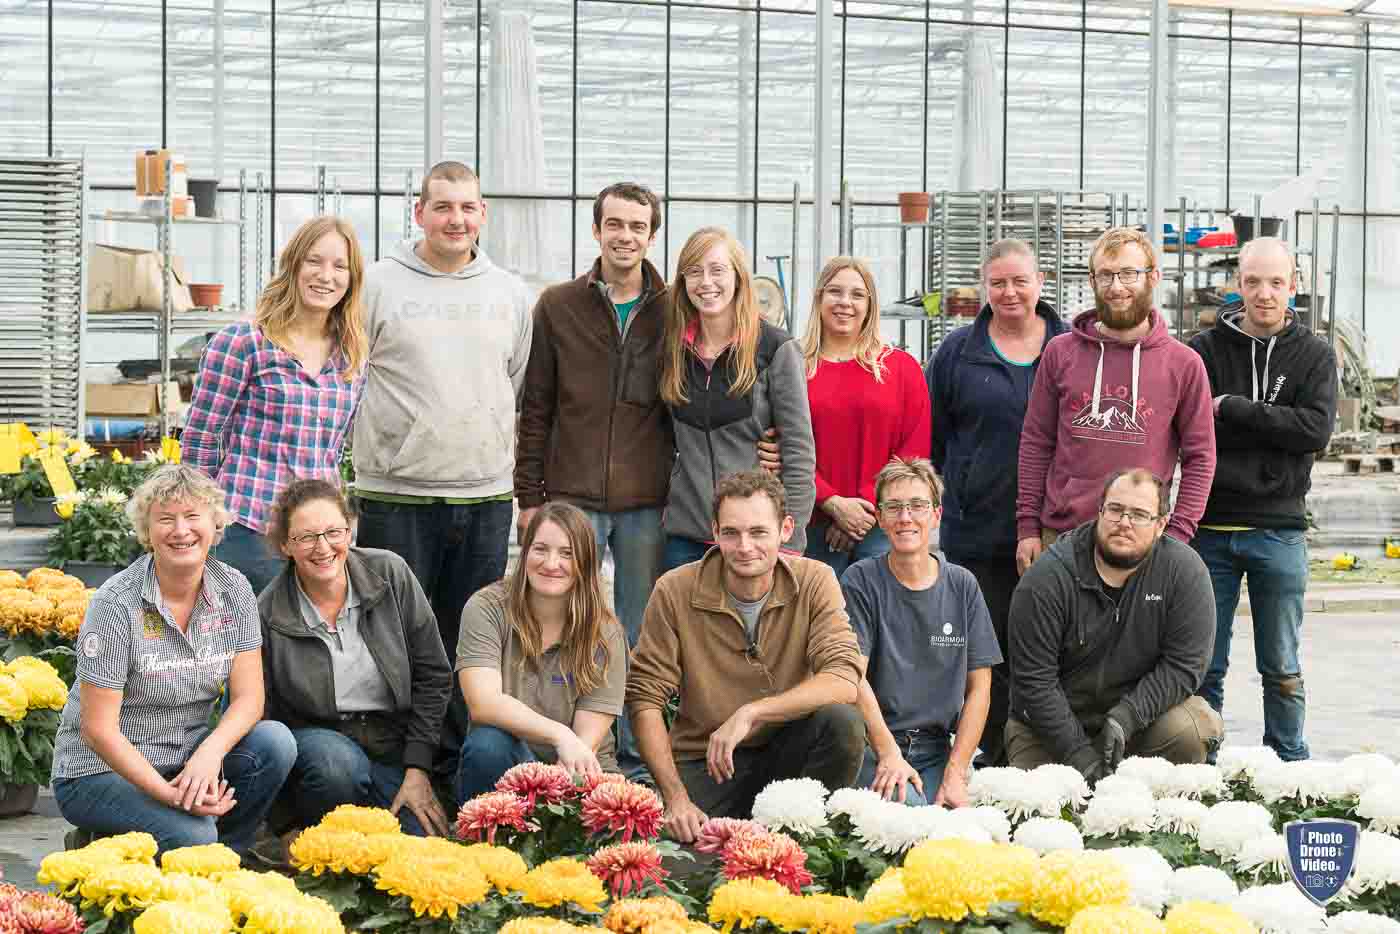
x: 680, y: 550
x: 927, y: 752
x: 250, y: 554
x: 331, y: 770
x: 106, y: 803
x: 636, y: 540
x: 1274, y: 563
x: 876, y: 542
x: 487, y: 753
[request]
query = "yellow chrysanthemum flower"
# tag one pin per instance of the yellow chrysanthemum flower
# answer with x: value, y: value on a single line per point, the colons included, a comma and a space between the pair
x: 1013, y: 873
x: 561, y: 881
x: 134, y: 847
x: 634, y: 915
x: 361, y: 819
x: 1207, y: 918
x: 949, y: 879
x: 503, y: 868
x: 328, y: 849
x: 14, y: 699
x: 179, y: 887
x: 292, y: 914
x: 1115, y: 919
x: 1067, y: 882
x: 185, y: 917
x: 122, y: 887
x: 10, y: 579
x: 51, y: 437
x: 203, y: 860
x: 40, y: 681
x: 743, y: 902
x: 819, y: 914
x: 243, y: 888
x: 435, y: 886
x: 886, y: 898
x: 538, y: 926
x: 67, y: 870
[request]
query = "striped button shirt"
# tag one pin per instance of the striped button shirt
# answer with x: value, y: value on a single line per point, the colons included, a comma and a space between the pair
x: 169, y: 679
x: 258, y: 419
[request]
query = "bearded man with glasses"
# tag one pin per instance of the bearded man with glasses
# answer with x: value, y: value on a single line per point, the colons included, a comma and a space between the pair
x: 1110, y: 638
x: 1116, y: 391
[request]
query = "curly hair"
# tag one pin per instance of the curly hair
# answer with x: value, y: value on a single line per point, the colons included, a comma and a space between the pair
x: 297, y: 494
x: 174, y: 483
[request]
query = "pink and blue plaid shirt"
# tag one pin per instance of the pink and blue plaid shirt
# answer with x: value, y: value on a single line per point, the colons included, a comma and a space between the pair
x: 258, y: 420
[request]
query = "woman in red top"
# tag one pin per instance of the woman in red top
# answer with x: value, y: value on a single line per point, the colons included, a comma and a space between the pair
x: 869, y: 403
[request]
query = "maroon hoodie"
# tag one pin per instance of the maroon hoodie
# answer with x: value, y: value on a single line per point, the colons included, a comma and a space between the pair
x: 1101, y: 405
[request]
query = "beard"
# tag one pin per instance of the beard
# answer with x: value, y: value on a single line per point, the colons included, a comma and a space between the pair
x: 1122, y: 560
x: 1131, y: 317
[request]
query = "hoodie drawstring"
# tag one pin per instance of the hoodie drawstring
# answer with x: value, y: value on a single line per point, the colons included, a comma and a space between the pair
x: 1260, y: 387
x: 1137, y: 368
x: 1098, y: 381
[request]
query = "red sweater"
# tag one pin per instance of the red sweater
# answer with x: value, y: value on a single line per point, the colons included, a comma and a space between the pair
x: 860, y: 424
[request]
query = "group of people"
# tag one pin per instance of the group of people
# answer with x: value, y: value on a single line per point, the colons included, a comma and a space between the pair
x: 778, y: 608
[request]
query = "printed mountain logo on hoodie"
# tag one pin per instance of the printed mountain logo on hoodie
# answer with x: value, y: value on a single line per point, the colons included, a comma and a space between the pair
x: 1114, y: 421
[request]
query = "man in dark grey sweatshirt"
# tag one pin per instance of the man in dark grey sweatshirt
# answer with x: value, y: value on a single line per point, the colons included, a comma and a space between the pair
x: 1109, y: 641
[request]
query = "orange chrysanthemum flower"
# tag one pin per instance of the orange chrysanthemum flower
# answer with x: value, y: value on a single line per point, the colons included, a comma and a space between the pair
x: 716, y: 831
x: 485, y: 814
x: 538, y: 781
x: 625, y: 806
x: 627, y: 866
x: 762, y: 854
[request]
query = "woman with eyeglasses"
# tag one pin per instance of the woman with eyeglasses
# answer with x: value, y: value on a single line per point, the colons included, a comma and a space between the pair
x: 727, y: 377
x: 353, y: 665
x: 869, y: 403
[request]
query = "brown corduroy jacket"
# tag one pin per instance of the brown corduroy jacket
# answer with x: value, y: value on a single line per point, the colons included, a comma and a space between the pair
x: 592, y: 428
x: 694, y: 642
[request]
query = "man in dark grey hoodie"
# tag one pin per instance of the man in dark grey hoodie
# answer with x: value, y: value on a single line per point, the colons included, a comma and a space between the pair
x: 1110, y: 635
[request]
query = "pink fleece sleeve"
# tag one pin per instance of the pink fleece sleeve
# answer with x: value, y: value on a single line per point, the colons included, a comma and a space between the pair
x: 1039, y: 432
x: 1194, y: 423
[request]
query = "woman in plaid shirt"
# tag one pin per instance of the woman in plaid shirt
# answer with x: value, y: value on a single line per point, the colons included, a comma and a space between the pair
x: 274, y: 397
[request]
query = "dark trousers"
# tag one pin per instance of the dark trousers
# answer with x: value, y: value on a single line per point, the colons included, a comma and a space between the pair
x: 454, y: 551
x: 828, y: 745
x: 998, y: 578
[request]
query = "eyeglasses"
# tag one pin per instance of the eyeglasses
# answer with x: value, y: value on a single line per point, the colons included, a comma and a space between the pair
x: 1114, y: 512
x: 918, y: 508
x: 697, y: 273
x: 307, y: 542
x: 1127, y: 276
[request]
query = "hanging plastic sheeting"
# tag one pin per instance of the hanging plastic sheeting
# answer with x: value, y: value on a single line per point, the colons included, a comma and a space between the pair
x: 977, y: 127
x: 515, y: 234
x: 1371, y: 144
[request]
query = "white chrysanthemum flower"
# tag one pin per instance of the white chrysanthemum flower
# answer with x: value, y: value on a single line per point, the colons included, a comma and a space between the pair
x: 111, y: 496
x: 1149, y: 875
x: 991, y: 819
x: 1202, y: 884
x: 1307, y: 782
x: 1380, y: 804
x: 1048, y: 834
x: 1366, y: 769
x: 1179, y: 815
x: 1073, y: 788
x: 1117, y: 784
x: 853, y: 801
x: 1193, y: 781
x: 894, y: 828
x: 1362, y: 922
x: 1229, y: 825
x: 1019, y: 793
x: 1239, y: 763
x: 1152, y: 771
x: 1377, y: 864
x: 1280, y: 909
x: 794, y: 804
x: 1265, y: 857
x: 1109, y: 816
x: 958, y: 824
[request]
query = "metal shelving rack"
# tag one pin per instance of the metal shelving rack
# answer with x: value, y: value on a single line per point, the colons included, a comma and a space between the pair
x: 42, y: 291
x: 165, y: 321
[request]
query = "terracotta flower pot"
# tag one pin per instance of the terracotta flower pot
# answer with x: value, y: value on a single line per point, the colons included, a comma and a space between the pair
x: 913, y: 207
x: 205, y: 295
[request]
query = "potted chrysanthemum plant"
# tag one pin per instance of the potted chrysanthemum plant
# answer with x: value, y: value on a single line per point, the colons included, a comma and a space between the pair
x: 31, y: 696
x: 96, y: 539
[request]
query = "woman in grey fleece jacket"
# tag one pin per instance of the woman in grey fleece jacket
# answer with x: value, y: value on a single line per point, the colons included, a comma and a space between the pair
x: 727, y: 377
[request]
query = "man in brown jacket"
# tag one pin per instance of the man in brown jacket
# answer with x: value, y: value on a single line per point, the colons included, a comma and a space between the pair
x: 763, y: 656
x: 592, y: 429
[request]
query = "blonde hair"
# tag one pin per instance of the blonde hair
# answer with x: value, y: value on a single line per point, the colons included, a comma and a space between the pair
x: 175, y: 483
x: 870, y: 349
x: 909, y: 468
x: 280, y: 301
x: 1115, y: 238
x: 680, y: 313
x: 583, y: 649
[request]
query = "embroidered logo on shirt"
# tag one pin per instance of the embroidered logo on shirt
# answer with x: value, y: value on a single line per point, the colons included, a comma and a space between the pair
x: 92, y: 645
x: 1152, y: 596
x: 152, y: 663
x: 947, y: 639
x: 152, y: 625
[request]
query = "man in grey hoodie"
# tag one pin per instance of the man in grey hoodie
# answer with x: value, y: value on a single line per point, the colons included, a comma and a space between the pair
x: 434, y: 443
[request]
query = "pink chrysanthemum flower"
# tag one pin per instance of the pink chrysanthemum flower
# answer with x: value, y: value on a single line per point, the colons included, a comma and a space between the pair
x: 589, y: 782
x: 483, y: 815
x: 38, y: 913
x: 537, y: 781
x: 625, y: 806
x: 716, y: 831
x: 625, y: 867
x: 758, y: 853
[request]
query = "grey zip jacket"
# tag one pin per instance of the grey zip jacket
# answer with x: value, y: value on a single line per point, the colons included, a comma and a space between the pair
x: 1077, y: 657
x: 447, y: 355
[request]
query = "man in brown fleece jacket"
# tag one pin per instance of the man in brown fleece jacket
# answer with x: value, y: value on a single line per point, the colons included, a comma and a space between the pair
x: 761, y: 651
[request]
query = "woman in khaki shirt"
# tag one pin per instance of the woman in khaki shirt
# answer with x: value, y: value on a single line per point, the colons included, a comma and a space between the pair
x: 541, y: 659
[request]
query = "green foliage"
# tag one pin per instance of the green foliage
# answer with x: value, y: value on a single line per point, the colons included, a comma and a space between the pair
x: 51, y: 647
x: 26, y: 748
x: 98, y: 531
x: 838, y: 863
x: 26, y: 486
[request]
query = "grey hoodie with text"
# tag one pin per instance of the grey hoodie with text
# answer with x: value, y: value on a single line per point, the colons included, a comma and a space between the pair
x: 447, y: 355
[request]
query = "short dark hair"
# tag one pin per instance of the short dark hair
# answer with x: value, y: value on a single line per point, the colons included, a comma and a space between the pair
x: 1140, y: 475
x: 448, y: 171
x: 748, y: 483
x: 297, y: 494
x: 629, y: 191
